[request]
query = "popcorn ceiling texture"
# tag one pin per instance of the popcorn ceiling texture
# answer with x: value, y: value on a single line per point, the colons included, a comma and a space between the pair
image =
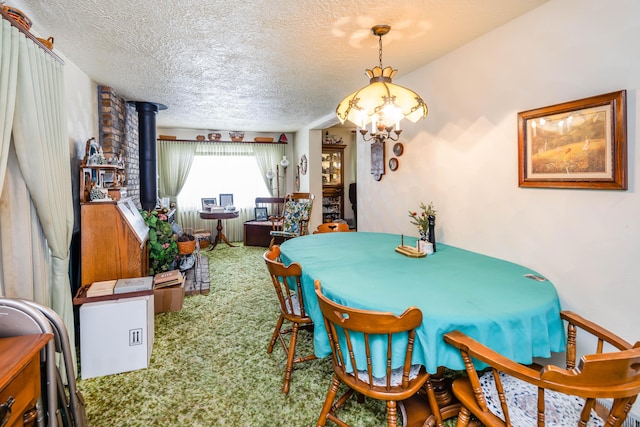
x: 274, y: 66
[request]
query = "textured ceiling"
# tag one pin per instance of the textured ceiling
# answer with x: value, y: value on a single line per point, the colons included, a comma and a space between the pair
x: 270, y: 65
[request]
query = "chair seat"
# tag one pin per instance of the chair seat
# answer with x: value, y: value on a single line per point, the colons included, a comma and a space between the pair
x: 522, y: 397
x: 396, y: 376
x: 295, y: 302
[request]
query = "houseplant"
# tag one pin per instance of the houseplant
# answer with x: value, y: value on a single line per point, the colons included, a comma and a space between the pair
x: 163, y: 247
x: 425, y: 221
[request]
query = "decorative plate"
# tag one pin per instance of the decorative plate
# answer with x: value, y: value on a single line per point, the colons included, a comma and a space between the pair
x: 303, y: 164
x: 393, y: 163
x: 398, y: 149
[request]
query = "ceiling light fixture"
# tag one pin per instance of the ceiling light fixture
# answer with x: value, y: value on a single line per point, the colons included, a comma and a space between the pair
x: 381, y: 103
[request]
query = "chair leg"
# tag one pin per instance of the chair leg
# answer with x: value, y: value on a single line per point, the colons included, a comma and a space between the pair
x: 464, y: 416
x: 331, y: 394
x: 276, y: 331
x: 392, y: 413
x: 290, y: 356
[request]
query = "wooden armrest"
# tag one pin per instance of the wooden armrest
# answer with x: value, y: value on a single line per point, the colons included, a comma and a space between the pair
x: 594, y: 329
x: 492, y: 358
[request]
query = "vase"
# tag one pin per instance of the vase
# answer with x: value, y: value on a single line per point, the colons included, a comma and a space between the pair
x: 432, y: 232
x: 423, y: 235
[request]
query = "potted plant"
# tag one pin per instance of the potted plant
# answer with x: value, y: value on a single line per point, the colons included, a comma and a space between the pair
x: 163, y: 247
x: 426, y: 222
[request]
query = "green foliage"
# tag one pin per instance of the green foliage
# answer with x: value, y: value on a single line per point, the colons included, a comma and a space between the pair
x: 422, y: 220
x: 163, y: 247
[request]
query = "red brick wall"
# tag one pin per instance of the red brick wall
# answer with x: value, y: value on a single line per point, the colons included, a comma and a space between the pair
x: 118, y: 129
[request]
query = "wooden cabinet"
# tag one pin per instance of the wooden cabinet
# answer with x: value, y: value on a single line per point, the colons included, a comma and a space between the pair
x: 20, y: 378
x: 113, y: 241
x: 332, y: 182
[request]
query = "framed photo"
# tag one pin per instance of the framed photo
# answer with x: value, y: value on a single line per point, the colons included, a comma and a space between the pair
x: 261, y: 214
x: 577, y: 144
x: 207, y: 202
x: 226, y: 200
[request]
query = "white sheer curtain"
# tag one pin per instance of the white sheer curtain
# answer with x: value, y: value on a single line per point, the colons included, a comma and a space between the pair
x: 226, y: 168
x: 36, y: 214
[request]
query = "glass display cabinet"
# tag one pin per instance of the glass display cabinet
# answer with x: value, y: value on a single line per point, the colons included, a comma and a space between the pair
x: 332, y: 182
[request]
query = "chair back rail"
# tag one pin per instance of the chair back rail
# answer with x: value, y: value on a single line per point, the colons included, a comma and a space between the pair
x: 330, y: 227
x: 359, y: 338
x: 288, y: 286
x: 601, y: 375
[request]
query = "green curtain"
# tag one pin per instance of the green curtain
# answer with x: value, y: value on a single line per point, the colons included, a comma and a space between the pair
x: 8, y: 77
x: 268, y: 156
x: 174, y: 164
x: 40, y: 200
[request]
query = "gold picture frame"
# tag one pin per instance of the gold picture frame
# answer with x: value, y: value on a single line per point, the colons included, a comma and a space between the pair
x: 577, y: 144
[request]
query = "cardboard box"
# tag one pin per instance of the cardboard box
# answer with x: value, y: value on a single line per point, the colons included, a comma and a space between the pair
x: 116, y: 335
x: 169, y: 298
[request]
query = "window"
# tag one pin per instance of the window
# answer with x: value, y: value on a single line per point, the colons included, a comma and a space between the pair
x: 214, y: 175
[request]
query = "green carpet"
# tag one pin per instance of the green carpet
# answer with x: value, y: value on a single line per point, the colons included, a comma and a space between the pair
x: 209, y: 365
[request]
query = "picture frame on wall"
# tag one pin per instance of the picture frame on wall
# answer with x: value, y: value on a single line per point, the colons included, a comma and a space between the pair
x: 261, y: 214
x: 577, y: 144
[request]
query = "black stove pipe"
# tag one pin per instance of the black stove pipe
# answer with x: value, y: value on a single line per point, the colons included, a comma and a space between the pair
x: 147, y: 146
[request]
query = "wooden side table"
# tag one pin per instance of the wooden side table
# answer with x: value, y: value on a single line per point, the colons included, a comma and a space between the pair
x: 20, y: 378
x: 219, y: 216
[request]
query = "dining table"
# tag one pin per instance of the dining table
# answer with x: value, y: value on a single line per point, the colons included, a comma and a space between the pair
x: 506, y: 306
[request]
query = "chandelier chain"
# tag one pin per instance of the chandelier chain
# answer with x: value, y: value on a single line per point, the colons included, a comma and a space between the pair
x: 380, y: 50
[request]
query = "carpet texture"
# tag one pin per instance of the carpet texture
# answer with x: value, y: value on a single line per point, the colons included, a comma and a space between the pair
x: 209, y: 365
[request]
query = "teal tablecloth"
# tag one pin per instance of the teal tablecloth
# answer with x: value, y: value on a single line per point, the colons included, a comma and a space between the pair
x: 484, y: 297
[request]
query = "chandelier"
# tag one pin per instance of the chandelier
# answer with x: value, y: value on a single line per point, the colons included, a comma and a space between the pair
x: 381, y: 103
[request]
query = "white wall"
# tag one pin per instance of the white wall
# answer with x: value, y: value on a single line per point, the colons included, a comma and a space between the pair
x: 82, y: 122
x: 463, y: 156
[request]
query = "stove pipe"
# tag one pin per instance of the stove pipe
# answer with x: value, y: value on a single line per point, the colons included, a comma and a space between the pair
x: 147, y: 146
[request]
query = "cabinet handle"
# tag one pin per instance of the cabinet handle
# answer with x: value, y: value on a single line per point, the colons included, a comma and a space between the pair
x: 5, y: 411
x: 30, y: 417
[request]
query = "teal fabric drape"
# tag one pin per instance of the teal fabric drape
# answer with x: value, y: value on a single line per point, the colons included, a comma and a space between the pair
x: 174, y: 164
x: 40, y: 140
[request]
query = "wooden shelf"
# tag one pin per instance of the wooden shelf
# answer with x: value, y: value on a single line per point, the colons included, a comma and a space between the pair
x: 33, y: 38
x: 226, y: 142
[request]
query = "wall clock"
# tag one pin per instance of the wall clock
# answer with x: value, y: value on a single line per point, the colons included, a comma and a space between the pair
x: 393, y: 163
x: 303, y: 164
x: 398, y: 149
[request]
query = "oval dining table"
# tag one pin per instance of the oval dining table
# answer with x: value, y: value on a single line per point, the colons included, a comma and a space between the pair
x: 506, y: 306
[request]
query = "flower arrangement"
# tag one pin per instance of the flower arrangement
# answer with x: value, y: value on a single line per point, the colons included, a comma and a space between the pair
x: 422, y: 220
x: 163, y: 247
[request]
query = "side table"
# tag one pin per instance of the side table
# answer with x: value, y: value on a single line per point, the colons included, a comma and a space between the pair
x: 219, y: 216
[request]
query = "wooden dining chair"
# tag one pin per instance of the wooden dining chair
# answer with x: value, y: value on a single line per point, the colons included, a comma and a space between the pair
x: 286, y: 281
x: 510, y: 394
x: 294, y: 221
x: 375, y: 332
x: 329, y: 227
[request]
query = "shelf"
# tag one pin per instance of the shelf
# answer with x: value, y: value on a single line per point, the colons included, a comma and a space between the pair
x: 221, y: 141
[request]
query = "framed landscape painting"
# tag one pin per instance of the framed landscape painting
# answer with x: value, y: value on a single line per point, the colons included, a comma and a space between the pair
x: 577, y: 144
